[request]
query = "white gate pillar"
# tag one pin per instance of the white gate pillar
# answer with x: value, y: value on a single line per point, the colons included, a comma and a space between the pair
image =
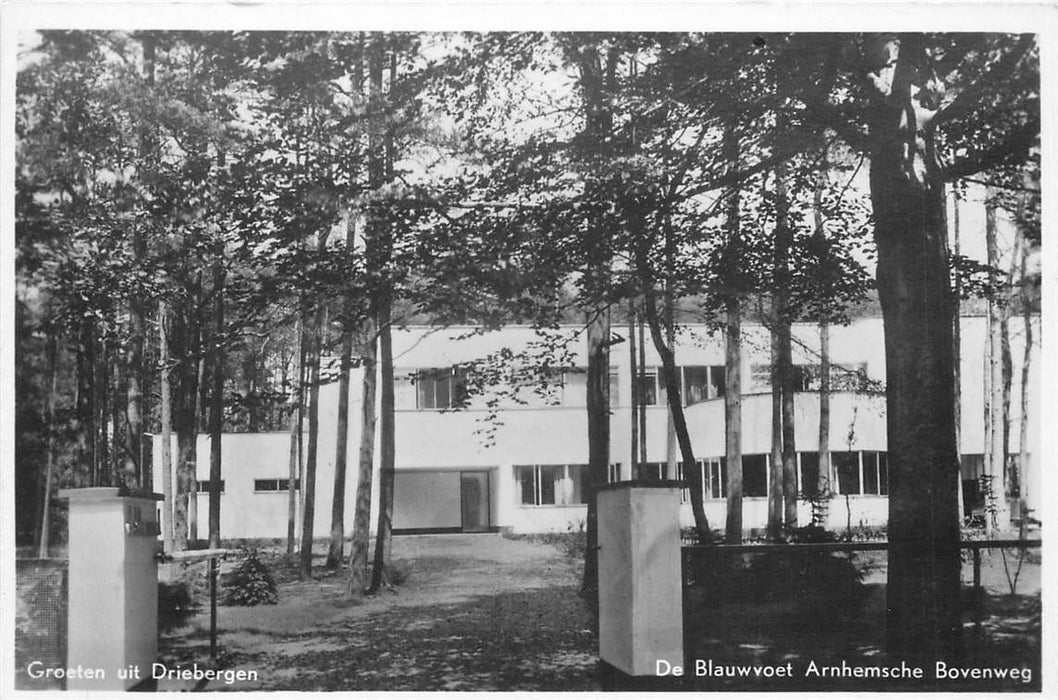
x: 640, y: 584
x: 113, y: 588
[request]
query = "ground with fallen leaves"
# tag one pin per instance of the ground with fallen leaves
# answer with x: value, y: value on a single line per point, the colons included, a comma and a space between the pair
x: 477, y: 612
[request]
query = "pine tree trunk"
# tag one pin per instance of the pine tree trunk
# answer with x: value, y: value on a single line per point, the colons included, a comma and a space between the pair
x: 823, y: 477
x: 733, y: 421
x: 44, y: 533
x: 1026, y: 366
x: 733, y: 353
x: 775, y: 475
x: 308, y: 513
x: 186, y: 346
x: 167, y: 431
x: 598, y: 407
x: 634, y: 371
x: 335, y: 552
x: 956, y: 331
x: 998, y: 516
x: 296, y: 415
x: 192, y: 484
x: 216, y: 407
x: 359, y: 548
x: 387, y: 456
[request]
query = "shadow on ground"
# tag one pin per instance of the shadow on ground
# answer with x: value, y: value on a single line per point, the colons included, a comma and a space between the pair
x: 999, y: 632
x: 538, y: 639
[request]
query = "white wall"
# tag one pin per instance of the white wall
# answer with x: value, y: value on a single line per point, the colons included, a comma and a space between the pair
x: 541, y: 434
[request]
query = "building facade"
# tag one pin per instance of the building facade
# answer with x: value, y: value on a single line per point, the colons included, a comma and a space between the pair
x: 510, y: 452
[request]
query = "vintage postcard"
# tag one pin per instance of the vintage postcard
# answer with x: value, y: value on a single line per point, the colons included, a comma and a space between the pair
x: 698, y: 347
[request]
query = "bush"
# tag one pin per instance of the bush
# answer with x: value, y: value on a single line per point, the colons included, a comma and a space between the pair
x: 175, y: 605
x: 824, y: 580
x: 251, y: 583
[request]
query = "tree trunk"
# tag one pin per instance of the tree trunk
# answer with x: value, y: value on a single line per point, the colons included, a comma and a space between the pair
x: 49, y: 466
x: 775, y: 475
x: 998, y: 514
x: 216, y: 407
x: 387, y: 457
x: 914, y: 288
x: 598, y: 409
x: 1026, y: 364
x: 308, y: 485
x: 956, y: 331
x: 733, y: 421
x: 823, y: 476
x: 633, y: 368
x: 167, y: 431
x: 789, y: 448
x: 192, y: 485
x: 733, y: 353
x: 596, y: 70
x: 296, y: 416
x: 358, y: 555
x: 642, y: 405
x: 335, y: 553
x: 185, y: 345
x: 691, y: 472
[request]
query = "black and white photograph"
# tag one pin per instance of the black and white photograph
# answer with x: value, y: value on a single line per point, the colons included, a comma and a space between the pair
x: 685, y: 351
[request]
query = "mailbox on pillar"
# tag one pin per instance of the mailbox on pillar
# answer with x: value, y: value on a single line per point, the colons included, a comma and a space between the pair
x: 640, y: 587
x: 113, y: 587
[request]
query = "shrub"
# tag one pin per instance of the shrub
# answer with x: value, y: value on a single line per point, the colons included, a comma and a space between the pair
x: 825, y: 580
x: 175, y: 605
x: 251, y: 583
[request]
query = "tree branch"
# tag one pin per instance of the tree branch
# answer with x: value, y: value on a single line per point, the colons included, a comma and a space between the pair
x: 1017, y: 142
x: 998, y: 73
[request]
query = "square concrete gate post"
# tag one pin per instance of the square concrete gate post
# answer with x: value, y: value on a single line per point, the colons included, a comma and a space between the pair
x: 113, y: 588
x: 640, y: 585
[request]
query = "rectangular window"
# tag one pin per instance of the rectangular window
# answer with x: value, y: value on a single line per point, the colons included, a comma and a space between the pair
x: 696, y: 385
x: 755, y: 475
x: 883, y: 473
x: 575, y: 387
x: 717, y: 381
x: 265, y: 485
x: 685, y: 494
x: 615, y: 472
x: 651, y: 471
x: 875, y: 473
x: 202, y: 486
x: 552, y: 484
x: 441, y: 388
x: 809, y: 474
x: 715, y: 477
x: 847, y: 467
x: 870, y: 472
x: 578, y: 483
x: 647, y: 386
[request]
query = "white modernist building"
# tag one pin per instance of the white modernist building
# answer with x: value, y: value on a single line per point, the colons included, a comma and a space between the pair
x: 516, y: 459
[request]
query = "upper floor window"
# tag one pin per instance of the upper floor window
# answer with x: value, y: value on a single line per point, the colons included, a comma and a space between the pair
x: 806, y: 377
x: 440, y: 388
x: 697, y: 383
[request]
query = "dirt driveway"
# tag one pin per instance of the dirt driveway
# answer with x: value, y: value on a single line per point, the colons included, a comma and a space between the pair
x: 478, y: 612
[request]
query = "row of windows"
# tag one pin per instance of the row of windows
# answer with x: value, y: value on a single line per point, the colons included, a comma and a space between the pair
x: 259, y: 485
x: 807, y: 377
x: 853, y: 473
x: 446, y: 388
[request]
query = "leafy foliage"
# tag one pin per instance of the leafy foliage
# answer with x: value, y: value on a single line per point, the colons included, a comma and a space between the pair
x: 251, y: 583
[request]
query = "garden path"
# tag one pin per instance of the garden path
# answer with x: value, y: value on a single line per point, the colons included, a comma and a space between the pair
x: 477, y: 612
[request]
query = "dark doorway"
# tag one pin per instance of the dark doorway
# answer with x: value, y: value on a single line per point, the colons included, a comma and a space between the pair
x: 474, y: 501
